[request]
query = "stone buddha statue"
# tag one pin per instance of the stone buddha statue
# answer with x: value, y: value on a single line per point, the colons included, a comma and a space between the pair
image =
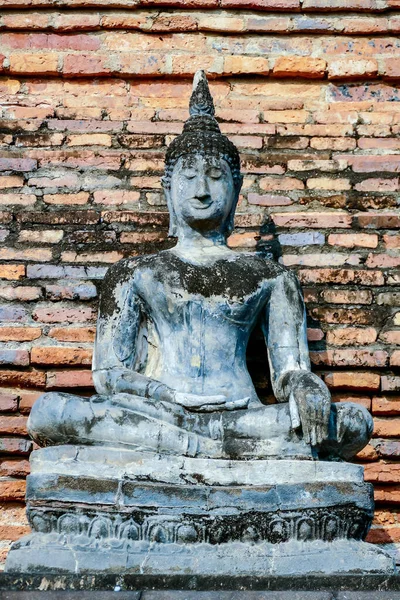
x: 170, y: 352
x: 176, y: 407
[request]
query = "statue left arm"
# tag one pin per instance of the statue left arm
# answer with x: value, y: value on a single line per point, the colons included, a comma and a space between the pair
x: 285, y: 330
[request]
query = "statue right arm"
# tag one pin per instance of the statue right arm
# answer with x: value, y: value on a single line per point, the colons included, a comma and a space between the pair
x: 115, y: 348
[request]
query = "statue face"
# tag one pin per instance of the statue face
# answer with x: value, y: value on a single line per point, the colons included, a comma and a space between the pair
x: 202, y: 192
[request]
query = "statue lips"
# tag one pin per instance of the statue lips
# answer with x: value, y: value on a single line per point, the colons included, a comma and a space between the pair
x: 201, y: 203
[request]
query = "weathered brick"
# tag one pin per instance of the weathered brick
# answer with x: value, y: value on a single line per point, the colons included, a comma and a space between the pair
x: 386, y: 405
x: 351, y: 336
x: 14, y: 468
x: 352, y: 316
x: 261, y: 4
x: 89, y: 139
x: 343, y: 397
x: 299, y: 66
x: 13, y: 445
x: 12, y: 272
x: 12, y: 490
x: 326, y: 183
x: 356, y: 381
x: 391, y: 337
x: 23, y: 293
x: 378, y: 220
x: 69, y: 379
x: 352, y: 240
x: 242, y: 65
x: 67, y: 199
x: 346, y: 68
x: 11, y: 378
x: 51, y: 355
x: 390, y: 383
x: 49, y: 314
x: 11, y: 181
x: 27, y: 400
x: 73, y: 334
x: 269, y: 200
x: 382, y: 261
x: 44, y: 236
x: 391, y: 68
x: 301, y: 239
x: 387, y: 494
x: 116, y: 197
x: 341, y: 276
x: 17, y: 164
x: 34, y: 64
x: 13, y: 425
x: 391, y: 240
x: 350, y: 358
x: 314, y: 220
x: 85, y: 65
x: 8, y: 403
x: 347, y: 296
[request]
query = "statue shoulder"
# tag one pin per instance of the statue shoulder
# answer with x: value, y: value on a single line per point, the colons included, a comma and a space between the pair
x: 118, y: 283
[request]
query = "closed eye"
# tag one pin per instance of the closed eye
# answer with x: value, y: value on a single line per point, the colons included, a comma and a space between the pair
x: 215, y: 173
x: 189, y: 174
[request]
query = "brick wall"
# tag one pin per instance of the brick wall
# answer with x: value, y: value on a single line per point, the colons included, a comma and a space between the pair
x: 92, y: 92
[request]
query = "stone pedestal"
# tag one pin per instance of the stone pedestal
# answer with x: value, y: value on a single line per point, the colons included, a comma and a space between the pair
x: 115, y: 511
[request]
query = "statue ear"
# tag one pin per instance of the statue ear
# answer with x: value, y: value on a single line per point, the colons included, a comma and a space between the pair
x: 230, y: 224
x: 173, y: 229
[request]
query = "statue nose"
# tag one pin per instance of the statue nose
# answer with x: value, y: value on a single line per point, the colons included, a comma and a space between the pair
x: 202, y: 191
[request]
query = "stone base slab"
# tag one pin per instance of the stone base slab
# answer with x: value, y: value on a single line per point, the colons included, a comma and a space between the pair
x: 40, y: 554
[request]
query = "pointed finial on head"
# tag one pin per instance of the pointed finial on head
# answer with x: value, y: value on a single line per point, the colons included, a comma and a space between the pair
x: 201, y: 102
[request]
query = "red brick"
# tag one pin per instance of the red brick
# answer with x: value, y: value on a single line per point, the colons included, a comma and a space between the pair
x: 25, y: 20
x: 382, y: 472
x: 387, y: 405
x: 313, y: 220
x: 245, y: 65
x: 341, y: 276
x: 387, y: 494
x: 352, y: 316
x: 116, y: 197
x: 85, y: 65
x: 34, y: 64
x: 299, y: 66
x: 352, y: 240
x: 367, y: 164
x: 22, y: 378
x: 11, y: 181
x: 14, y: 468
x: 382, y: 261
x: 73, y: 21
x: 377, y: 185
x: 12, y: 272
x: 12, y: 490
x: 8, y: 403
x: 73, y: 334
x: 350, y: 358
x: 269, y: 200
x: 67, y: 199
x: 347, y: 296
x: 391, y: 337
x: 52, y: 355
x: 391, y: 241
x: 69, y: 379
x: 49, y: 314
x: 387, y: 428
x: 357, y: 381
x: 261, y: 4
x: 283, y: 184
x: 14, y: 445
x: 367, y: 454
x: 391, y: 68
x: 378, y: 220
x: 13, y: 425
x: 351, y: 336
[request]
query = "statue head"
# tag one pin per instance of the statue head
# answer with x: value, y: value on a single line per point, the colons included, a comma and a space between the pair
x: 202, y: 177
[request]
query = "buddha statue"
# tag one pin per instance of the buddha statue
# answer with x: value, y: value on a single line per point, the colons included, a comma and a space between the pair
x: 175, y: 405
x: 169, y: 362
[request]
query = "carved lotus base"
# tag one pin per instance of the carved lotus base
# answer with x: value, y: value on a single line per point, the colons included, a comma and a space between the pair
x: 87, y: 522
